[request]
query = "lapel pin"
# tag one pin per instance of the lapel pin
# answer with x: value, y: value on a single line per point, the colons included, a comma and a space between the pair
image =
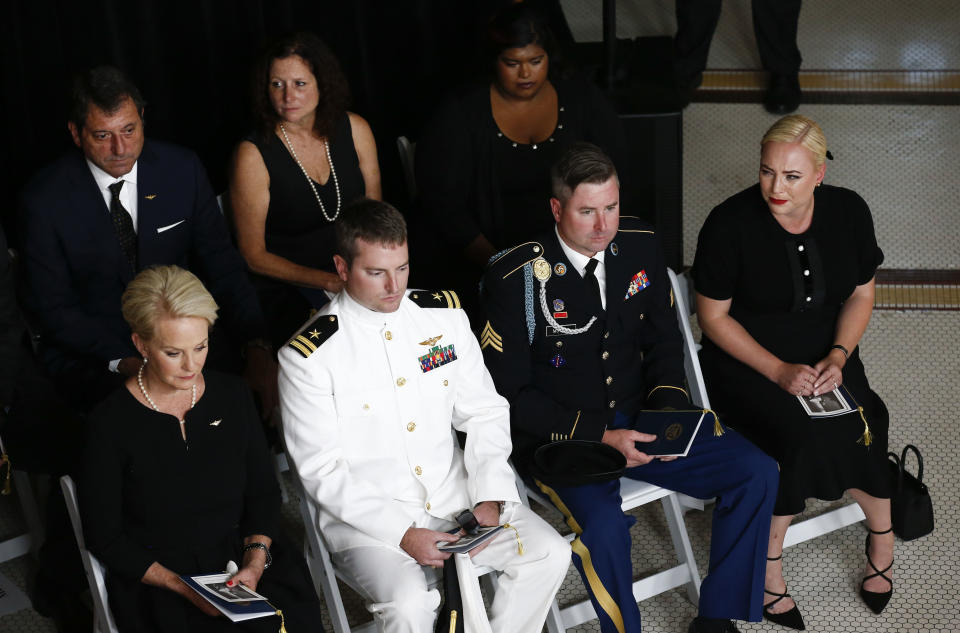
x: 216, y: 422
x: 560, y: 269
x: 614, y: 249
x: 150, y: 197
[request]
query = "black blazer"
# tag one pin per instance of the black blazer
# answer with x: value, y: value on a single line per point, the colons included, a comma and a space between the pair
x: 563, y: 386
x: 75, y: 270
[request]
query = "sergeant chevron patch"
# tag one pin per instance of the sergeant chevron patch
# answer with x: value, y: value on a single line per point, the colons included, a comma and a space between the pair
x: 490, y: 338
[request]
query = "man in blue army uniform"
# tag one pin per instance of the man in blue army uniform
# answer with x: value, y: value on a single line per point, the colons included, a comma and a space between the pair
x: 370, y: 390
x: 581, y: 334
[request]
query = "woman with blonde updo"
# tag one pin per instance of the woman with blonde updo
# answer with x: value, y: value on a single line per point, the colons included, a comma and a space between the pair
x: 784, y: 274
x: 177, y: 478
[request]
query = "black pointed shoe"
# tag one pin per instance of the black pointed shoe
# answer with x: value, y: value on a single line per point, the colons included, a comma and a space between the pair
x: 791, y: 618
x: 876, y: 600
x: 711, y: 625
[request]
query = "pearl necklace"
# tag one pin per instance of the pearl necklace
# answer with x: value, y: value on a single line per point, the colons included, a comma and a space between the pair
x: 333, y: 174
x: 193, y: 391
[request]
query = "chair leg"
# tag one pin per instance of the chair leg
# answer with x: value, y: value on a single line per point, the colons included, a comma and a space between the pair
x: 681, y: 544
x: 554, y: 619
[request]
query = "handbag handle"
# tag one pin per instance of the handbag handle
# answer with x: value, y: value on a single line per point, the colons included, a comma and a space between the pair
x: 903, y: 460
x: 898, y: 469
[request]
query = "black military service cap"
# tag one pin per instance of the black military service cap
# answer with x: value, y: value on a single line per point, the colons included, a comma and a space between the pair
x: 577, y: 462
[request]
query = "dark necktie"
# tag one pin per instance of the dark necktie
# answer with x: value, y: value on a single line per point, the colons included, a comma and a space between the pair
x: 123, y: 225
x: 593, y: 286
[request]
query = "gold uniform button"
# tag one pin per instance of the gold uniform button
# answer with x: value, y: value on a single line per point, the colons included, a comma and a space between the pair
x: 605, y: 355
x: 401, y: 381
x: 446, y: 382
x: 641, y: 316
x: 609, y: 379
x: 613, y: 403
x: 606, y: 335
x: 428, y: 506
x: 389, y: 335
x: 559, y: 343
x: 418, y: 470
x: 411, y: 426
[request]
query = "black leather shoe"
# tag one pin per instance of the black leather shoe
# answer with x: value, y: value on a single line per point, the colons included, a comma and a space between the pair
x: 877, y: 601
x: 791, y: 618
x: 711, y: 625
x: 783, y: 94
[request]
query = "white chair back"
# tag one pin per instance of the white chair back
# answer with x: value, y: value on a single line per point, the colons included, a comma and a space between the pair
x: 102, y: 617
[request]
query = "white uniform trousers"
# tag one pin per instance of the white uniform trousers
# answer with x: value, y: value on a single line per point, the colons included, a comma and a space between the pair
x: 395, y: 588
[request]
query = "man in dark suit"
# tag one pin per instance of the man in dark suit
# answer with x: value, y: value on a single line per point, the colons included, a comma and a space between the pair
x: 581, y: 335
x: 94, y: 218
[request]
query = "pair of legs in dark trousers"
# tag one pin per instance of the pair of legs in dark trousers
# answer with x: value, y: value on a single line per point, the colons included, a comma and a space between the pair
x: 774, y: 23
x: 744, y: 481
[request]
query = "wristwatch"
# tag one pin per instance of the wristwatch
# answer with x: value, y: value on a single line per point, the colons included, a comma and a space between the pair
x: 266, y: 550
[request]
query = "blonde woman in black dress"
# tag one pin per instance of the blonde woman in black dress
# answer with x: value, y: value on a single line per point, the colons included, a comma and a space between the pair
x: 784, y: 274
x: 177, y: 478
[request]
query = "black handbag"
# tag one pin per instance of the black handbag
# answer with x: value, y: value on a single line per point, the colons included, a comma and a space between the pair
x: 910, y: 505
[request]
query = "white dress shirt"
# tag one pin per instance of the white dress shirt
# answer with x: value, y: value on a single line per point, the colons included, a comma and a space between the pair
x: 128, y: 198
x: 128, y: 195
x: 579, y: 261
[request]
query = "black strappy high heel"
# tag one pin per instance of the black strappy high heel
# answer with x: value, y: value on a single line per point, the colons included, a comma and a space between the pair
x: 791, y: 618
x: 876, y: 600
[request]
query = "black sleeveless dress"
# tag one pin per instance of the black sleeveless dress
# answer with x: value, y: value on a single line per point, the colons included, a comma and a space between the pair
x: 297, y: 230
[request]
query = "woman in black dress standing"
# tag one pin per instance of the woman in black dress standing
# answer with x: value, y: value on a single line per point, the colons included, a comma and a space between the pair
x: 177, y: 478
x: 309, y: 158
x: 784, y: 274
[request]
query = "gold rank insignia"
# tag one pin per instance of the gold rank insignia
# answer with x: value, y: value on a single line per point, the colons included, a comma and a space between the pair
x: 435, y: 298
x: 433, y: 339
x: 541, y: 269
x: 314, y: 335
x: 489, y: 338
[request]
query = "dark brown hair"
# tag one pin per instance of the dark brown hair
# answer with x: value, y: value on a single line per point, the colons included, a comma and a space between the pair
x: 105, y: 87
x: 369, y: 220
x: 581, y: 162
x: 334, y: 93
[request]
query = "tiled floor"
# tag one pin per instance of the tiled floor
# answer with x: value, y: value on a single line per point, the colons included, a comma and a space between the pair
x: 903, y: 160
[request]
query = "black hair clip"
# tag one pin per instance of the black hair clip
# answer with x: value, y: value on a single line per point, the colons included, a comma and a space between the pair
x: 829, y: 155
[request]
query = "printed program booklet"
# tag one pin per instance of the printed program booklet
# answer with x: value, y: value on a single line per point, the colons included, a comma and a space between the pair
x: 237, y: 603
x: 828, y: 404
x: 675, y: 430
x: 468, y: 541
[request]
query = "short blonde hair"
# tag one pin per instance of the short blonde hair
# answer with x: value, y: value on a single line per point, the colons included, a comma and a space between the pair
x: 796, y: 128
x: 165, y: 292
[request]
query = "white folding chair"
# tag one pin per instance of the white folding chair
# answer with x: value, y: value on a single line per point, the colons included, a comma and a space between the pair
x: 102, y: 617
x: 325, y: 574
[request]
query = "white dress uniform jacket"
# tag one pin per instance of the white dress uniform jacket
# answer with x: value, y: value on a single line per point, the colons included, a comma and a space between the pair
x: 368, y: 401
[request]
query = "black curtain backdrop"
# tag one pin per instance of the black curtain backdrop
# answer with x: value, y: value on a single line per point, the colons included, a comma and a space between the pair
x: 191, y: 61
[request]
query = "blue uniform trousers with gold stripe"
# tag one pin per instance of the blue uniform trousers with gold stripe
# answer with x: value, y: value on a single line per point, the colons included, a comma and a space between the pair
x: 744, y: 481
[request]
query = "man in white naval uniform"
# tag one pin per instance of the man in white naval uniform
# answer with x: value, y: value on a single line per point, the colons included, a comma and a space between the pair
x: 370, y: 391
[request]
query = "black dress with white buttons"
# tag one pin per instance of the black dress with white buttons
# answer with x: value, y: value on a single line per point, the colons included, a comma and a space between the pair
x: 787, y: 291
